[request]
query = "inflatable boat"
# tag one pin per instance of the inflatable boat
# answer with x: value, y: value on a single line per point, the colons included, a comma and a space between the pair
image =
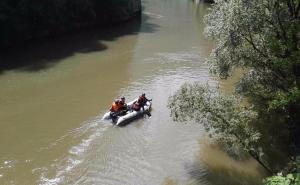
x: 130, y: 115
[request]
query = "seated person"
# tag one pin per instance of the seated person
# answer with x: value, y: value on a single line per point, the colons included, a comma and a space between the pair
x: 135, y: 106
x: 123, y: 105
x: 115, y: 109
x: 115, y: 106
x: 143, y: 100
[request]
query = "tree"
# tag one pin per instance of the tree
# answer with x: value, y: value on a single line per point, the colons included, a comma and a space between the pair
x: 223, y: 117
x: 264, y: 37
x: 261, y: 36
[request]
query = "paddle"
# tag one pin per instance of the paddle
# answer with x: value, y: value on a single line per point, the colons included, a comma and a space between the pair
x: 148, y: 113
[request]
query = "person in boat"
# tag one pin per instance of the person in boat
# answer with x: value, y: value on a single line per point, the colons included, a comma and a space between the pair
x: 136, y: 106
x: 123, y: 106
x: 143, y: 100
x: 115, y: 109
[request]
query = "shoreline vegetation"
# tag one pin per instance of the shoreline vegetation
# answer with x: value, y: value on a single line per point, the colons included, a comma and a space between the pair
x: 26, y: 20
x: 262, y: 37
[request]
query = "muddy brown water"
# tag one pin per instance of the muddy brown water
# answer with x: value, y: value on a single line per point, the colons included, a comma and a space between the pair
x: 54, y: 93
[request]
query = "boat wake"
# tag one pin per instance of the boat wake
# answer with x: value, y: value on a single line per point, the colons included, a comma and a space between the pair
x: 89, y: 131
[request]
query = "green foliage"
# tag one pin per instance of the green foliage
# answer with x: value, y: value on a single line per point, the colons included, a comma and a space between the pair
x: 223, y: 116
x: 263, y: 36
x: 283, y: 99
x: 290, y: 179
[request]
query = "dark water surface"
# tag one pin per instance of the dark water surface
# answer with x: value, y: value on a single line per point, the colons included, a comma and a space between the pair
x: 53, y: 96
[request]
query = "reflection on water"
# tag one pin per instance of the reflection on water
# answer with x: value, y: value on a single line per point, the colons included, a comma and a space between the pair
x: 54, y: 94
x: 43, y: 54
x: 222, y: 169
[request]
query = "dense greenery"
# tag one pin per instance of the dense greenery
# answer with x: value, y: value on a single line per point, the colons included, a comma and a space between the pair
x: 289, y: 179
x: 223, y: 117
x: 262, y: 36
x: 25, y: 19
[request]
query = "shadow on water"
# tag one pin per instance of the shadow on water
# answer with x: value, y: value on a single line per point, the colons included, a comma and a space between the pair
x: 40, y: 55
x: 215, y: 167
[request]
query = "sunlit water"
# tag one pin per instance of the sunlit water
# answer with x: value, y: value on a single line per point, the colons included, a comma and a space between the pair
x: 53, y: 95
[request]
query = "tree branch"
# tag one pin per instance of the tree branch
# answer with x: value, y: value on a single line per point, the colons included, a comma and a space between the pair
x: 251, y: 153
x: 250, y: 41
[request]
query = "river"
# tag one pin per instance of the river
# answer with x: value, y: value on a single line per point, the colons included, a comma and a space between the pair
x: 54, y: 93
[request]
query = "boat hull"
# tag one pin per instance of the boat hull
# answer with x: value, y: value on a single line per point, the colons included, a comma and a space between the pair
x: 130, y: 115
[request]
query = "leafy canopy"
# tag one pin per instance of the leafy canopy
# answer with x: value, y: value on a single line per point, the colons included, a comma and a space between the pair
x: 264, y: 37
x: 223, y: 116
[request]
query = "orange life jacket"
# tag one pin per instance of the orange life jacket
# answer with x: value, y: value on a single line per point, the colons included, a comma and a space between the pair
x: 115, y: 107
